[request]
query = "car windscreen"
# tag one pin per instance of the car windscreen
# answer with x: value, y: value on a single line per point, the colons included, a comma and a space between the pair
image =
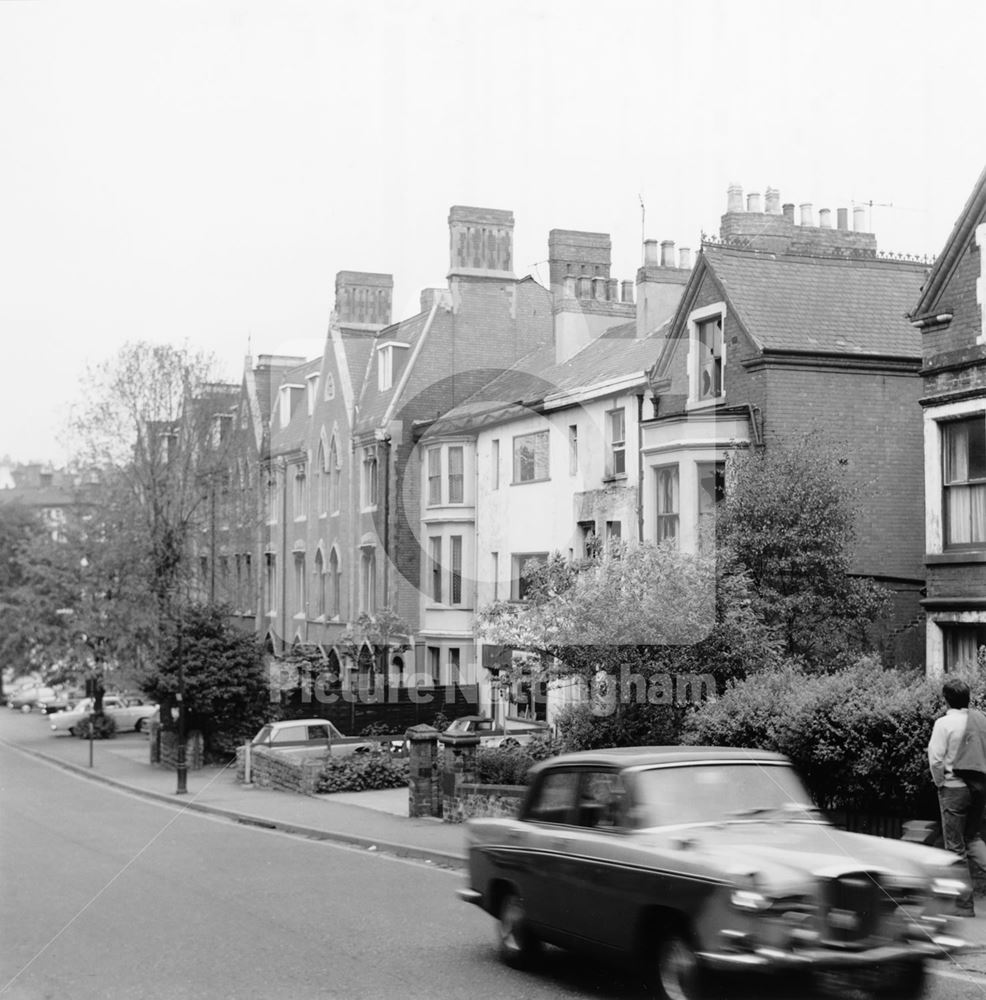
x: 715, y: 792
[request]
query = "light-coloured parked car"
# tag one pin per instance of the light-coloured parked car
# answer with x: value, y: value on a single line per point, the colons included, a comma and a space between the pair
x: 696, y: 861
x: 311, y: 734
x: 29, y: 698
x: 128, y: 713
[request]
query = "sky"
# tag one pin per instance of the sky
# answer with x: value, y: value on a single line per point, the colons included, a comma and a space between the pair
x: 197, y: 171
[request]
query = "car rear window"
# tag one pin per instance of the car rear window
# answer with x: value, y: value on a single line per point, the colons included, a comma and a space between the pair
x: 554, y: 800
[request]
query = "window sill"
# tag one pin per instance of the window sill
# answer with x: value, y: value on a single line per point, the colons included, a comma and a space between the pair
x: 615, y: 477
x: 705, y: 404
x: 530, y: 482
x: 955, y: 557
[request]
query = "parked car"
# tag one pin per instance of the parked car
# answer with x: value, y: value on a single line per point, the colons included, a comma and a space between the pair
x: 128, y: 713
x: 27, y: 699
x: 697, y: 861
x: 311, y: 734
x: 490, y: 735
x: 62, y: 701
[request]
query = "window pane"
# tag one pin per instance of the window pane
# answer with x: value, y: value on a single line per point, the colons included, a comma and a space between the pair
x: 434, y: 476
x: 455, y: 476
x: 555, y: 801
x: 531, y: 457
x: 456, y: 571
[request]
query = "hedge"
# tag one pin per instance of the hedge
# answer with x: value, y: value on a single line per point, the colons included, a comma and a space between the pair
x: 362, y: 773
x: 859, y: 736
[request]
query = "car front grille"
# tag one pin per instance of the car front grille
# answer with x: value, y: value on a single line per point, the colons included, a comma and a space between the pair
x: 851, y: 906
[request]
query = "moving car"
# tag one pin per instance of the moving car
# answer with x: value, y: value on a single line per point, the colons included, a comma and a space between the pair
x: 702, y: 860
x: 128, y: 713
x: 311, y: 734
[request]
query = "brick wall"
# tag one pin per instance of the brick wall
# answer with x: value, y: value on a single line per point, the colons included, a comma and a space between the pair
x: 283, y: 771
x: 959, y: 299
x: 474, y: 800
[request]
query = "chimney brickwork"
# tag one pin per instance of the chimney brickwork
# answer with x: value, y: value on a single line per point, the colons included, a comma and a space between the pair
x: 364, y: 298
x: 481, y: 241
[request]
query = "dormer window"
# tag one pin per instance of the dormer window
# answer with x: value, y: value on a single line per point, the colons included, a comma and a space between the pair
x: 222, y: 429
x: 706, y: 358
x: 290, y: 398
x: 312, y: 382
x: 385, y: 364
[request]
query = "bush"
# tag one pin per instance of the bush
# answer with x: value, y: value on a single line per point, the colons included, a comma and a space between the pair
x: 362, y: 773
x: 634, y: 725
x: 102, y: 727
x: 380, y: 729
x: 503, y: 765
x: 859, y: 736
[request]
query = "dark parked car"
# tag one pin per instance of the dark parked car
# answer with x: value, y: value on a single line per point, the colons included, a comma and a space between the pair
x: 699, y: 861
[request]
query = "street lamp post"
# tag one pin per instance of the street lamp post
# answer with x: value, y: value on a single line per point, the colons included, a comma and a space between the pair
x: 182, y: 763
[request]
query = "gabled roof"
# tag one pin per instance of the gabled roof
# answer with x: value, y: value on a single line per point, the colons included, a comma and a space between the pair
x: 534, y: 377
x: 294, y: 437
x: 817, y: 304
x: 962, y: 232
x: 374, y: 402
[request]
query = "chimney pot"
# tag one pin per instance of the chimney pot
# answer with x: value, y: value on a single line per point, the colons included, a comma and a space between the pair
x: 825, y: 218
x: 773, y: 206
x: 626, y: 291
x: 685, y: 258
x: 859, y: 218
x: 599, y: 288
x: 753, y: 202
x: 667, y: 253
x: 612, y: 289
x: 789, y: 211
x: 806, y: 216
x: 650, y: 252
x: 585, y: 287
x: 569, y: 287
x: 842, y: 218
x: 734, y: 198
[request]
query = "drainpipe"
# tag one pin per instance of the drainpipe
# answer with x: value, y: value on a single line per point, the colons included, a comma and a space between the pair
x: 640, y: 469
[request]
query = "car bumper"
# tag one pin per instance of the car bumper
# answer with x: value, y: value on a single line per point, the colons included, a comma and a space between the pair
x: 470, y: 896
x: 778, y: 959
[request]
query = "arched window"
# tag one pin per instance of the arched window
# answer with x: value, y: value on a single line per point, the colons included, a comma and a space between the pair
x: 322, y: 483
x: 335, y: 585
x: 334, y: 475
x: 319, y: 585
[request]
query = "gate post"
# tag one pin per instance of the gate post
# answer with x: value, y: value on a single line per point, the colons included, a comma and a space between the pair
x: 423, y: 794
x: 459, y: 767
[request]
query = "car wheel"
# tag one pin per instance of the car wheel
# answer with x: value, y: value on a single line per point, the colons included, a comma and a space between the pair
x: 25, y: 708
x: 518, y: 947
x: 71, y: 730
x: 678, y: 970
x: 139, y: 727
x: 902, y: 981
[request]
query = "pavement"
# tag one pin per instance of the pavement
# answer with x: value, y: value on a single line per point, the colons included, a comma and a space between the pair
x: 372, y: 821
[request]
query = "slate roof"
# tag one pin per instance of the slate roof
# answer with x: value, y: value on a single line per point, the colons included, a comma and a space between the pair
x: 536, y: 376
x: 294, y: 437
x: 373, y: 402
x: 831, y: 305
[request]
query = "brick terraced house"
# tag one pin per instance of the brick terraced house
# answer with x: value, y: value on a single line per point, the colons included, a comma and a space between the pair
x: 950, y: 317
x: 789, y: 329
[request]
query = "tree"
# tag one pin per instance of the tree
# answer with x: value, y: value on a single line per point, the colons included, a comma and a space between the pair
x: 648, y: 612
x: 148, y: 419
x: 227, y: 690
x: 20, y: 529
x: 789, y: 519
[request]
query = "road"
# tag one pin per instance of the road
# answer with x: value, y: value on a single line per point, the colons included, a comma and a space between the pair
x: 107, y: 895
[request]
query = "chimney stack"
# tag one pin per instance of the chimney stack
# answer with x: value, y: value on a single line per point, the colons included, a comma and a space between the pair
x: 806, y: 216
x: 685, y: 258
x: 753, y: 202
x: 667, y: 253
x: 859, y: 218
x: 789, y: 212
x: 363, y: 298
x: 650, y: 253
x: 842, y: 218
x: 626, y: 292
x: 574, y: 253
x: 481, y: 241
x: 734, y: 198
x: 773, y: 206
x: 825, y: 218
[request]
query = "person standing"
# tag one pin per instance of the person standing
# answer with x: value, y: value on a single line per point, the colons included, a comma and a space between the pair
x: 958, y: 769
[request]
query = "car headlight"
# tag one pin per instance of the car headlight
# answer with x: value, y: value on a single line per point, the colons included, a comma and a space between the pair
x: 949, y: 888
x: 749, y: 900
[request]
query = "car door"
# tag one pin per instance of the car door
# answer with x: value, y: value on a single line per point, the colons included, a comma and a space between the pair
x: 549, y: 826
x: 599, y: 882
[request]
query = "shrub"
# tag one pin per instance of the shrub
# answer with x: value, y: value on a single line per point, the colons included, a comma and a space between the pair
x: 859, y: 736
x: 102, y: 727
x: 362, y: 773
x: 632, y: 726
x: 503, y: 765
x: 380, y: 729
